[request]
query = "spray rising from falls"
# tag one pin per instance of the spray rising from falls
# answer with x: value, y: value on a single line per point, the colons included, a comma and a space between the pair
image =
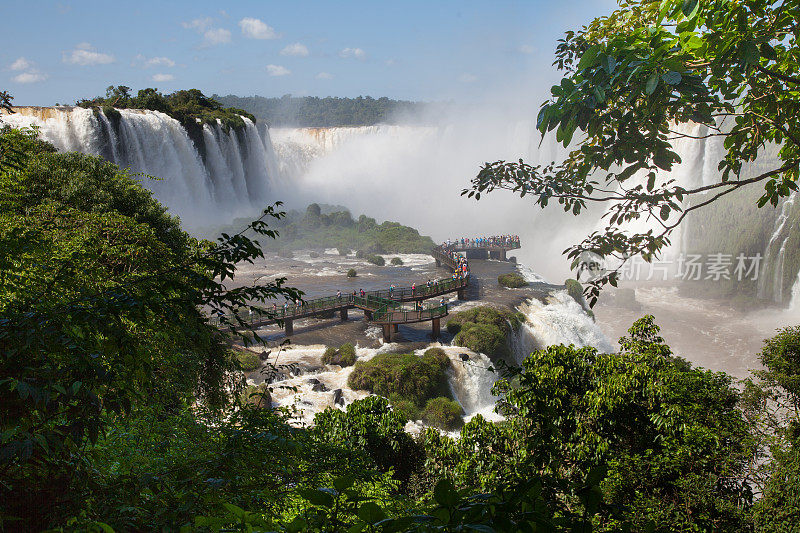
x: 212, y: 178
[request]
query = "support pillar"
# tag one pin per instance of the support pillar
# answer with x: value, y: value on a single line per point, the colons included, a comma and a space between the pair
x: 435, y: 328
x: 438, y: 263
x: 289, y: 324
x: 387, y: 333
x: 343, y: 315
x: 367, y: 315
x: 395, y: 328
x: 462, y: 294
x: 503, y: 254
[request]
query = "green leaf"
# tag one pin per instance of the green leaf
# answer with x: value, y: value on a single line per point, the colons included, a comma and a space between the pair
x: 672, y: 77
x: 588, y: 57
x: 317, y: 497
x: 371, y: 513
x: 344, y: 482
x: 767, y: 52
x: 689, y: 8
x: 445, y: 494
x: 652, y: 83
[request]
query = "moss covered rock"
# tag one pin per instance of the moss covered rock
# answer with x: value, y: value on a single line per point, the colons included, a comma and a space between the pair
x: 575, y: 289
x: 352, y: 273
x: 403, y: 376
x: 443, y: 413
x: 512, y: 280
x: 345, y: 355
x: 484, y: 329
x: 396, y: 261
x: 376, y: 260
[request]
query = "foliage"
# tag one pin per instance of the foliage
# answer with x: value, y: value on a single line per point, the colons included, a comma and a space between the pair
x: 484, y: 329
x: 334, y: 227
x: 772, y: 405
x: 408, y: 376
x: 351, y: 273
x: 511, y: 280
x: 396, y: 261
x: 443, y: 413
x: 630, y: 79
x: 574, y: 289
x: 189, y: 107
x: 671, y: 444
x: 377, y: 260
x: 100, y: 302
x: 314, y: 112
x: 246, y: 360
x: 344, y: 356
x: 371, y: 426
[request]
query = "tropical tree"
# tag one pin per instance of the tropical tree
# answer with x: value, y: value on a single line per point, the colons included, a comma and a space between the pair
x: 632, y: 81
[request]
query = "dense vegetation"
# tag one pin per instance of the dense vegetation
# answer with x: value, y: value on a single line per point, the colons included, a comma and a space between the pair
x: 334, y: 227
x: 315, y: 112
x: 512, y: 280
x: 189, y: 107
x: 345, y: 355
x: 124, y: 409
x: 484, y: 329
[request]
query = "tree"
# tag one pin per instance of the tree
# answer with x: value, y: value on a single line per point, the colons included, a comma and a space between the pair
x: 631, y: 80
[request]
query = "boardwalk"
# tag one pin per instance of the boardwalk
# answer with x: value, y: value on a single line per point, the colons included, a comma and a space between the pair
x: 382, y: 307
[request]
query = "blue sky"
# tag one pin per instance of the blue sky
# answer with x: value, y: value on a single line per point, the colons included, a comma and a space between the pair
x: 462, y: 50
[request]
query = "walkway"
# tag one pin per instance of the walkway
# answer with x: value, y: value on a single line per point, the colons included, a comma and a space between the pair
x: 383, y: 307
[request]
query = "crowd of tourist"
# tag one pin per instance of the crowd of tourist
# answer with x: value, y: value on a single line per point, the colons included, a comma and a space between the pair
x: 482, y: 242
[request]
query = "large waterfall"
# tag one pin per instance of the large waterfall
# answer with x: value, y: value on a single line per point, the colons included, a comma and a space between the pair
x: 228, y: 174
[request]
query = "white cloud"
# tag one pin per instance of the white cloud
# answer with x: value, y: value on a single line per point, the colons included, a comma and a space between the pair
x: 357, y: 53
x: 200, y: 25
x: 145, y: 62
x: 30, y: 77
x: 21, y: 64
x: 324, y: 76
x: 216, y: 36
x: 527, y: 49
x: 296, y: 49
x: 163, y: 77
x: 467, y: 78
x: 84, y: 54
x: 278, y: 70
x: 253, y: 28
x: 390, y: 62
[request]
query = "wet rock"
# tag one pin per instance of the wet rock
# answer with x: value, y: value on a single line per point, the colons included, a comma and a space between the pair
x: 338, y: 397
x: 317, y: 385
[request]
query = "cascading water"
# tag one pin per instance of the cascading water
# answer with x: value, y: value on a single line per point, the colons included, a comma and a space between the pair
x: 230, y: 175
x: 558, y: 320
x: 770, y: 279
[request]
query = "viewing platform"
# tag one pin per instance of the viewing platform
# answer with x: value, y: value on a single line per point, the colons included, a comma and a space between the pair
x: 383, y: 307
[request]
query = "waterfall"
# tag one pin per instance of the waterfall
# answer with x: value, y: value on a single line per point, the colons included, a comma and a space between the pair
x: 770, y: 279
x: 229, y: 175
x: 557, y: 320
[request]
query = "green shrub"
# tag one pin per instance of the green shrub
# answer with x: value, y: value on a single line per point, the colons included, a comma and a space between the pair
x: 512, y: 280
x: 408, y: 376
x: 406, y: 408
x: 484, y: 314
x: 396, y: 261
x: 361, y: 254
x: 313, y: 255
x: 352, y: 273
x: 484, y: 338
x: 344, y: 356
x: 257, y: 396
x: 247, y: 360
x: 443, y: 413
x: 376, y: 260
x: 575, y: 289
x: 343, y: 251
